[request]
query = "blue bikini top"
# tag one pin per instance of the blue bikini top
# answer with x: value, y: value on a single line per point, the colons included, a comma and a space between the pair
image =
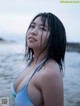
x: 22, y: 97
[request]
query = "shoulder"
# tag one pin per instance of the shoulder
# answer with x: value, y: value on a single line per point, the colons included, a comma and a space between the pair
x: 51, y: 84
x: 51, y: 73
x: 51, y: 68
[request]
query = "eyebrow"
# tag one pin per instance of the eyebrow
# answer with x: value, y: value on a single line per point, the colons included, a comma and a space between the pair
x: 40, y: 25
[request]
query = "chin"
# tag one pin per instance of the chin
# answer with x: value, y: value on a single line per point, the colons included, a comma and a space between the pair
x: 31, y: 46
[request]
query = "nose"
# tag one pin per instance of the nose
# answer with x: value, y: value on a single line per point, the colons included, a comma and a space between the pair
x: 34, y: 31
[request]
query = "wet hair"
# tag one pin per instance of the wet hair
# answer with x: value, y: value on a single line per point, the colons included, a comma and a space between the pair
x: 56, y: 43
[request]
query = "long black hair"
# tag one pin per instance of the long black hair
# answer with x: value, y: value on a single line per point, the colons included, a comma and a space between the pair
x: 56, y: 44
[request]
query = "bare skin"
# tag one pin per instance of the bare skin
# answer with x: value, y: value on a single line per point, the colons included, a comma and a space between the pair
x: 46, y: 86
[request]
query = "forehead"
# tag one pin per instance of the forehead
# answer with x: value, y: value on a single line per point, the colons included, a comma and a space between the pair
x: 39, y: 20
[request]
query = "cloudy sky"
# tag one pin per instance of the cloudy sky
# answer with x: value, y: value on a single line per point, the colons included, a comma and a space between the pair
x: 15, y: 16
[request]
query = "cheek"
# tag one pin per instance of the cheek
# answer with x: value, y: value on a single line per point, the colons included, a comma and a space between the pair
x: 26, y: 36
x: 45, y: 37
x: 28, y: 32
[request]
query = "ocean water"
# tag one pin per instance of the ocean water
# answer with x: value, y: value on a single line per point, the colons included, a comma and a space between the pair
x: 12, y: 63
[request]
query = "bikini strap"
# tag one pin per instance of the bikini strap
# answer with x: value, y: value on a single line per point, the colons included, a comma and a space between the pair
x: 38, y: 67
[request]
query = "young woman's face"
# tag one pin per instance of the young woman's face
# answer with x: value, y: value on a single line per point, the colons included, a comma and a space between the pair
x: 37, y: 34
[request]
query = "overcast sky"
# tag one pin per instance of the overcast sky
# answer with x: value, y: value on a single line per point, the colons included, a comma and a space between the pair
x: 15, y: 16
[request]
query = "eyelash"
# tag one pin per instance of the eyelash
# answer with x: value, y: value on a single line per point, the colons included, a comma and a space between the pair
x: 42, y: 28
x: 32, y: 26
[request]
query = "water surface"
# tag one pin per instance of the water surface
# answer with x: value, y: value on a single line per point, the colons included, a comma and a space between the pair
x: 12, y: 63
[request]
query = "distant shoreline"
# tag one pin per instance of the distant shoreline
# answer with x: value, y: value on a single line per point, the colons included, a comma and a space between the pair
x: 71, y: 46
x: 3, y: 41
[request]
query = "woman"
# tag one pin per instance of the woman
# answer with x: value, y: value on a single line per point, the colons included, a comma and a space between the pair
x: 41, y: 84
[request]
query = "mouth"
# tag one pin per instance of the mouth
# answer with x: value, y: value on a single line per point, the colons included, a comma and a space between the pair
x: 32, y: 38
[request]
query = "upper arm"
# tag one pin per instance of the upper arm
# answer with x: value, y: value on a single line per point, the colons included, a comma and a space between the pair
x: 52, y: 88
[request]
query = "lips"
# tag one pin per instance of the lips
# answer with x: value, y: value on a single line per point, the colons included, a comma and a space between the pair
x: 32, y: 38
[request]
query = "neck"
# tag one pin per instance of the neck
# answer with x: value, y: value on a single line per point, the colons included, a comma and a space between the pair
x: 38, y: 56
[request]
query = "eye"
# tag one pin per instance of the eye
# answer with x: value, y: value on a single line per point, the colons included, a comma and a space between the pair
x: 31, y: 26
x: 42, y: 28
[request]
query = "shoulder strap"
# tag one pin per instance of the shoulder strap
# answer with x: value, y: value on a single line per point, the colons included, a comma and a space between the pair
x: 37, y: 69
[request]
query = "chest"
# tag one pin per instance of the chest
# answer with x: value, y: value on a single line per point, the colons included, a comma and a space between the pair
x: 23, y: 78
x: 32, y: 90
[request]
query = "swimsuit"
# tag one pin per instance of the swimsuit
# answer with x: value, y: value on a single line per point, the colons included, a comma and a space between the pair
x: 22, y: 98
